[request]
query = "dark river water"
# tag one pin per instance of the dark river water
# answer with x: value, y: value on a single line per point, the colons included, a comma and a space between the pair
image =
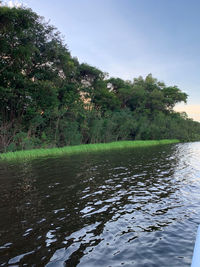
x: 137, y: 207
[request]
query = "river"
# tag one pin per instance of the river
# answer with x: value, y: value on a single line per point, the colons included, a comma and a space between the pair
x: 132, y: 207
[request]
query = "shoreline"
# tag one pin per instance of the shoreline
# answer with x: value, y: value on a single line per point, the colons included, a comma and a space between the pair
x: 69, y: 150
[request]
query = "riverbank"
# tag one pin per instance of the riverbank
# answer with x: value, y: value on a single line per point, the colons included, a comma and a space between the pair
x: 68, y: 150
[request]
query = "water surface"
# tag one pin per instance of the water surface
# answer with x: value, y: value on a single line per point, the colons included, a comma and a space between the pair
x: 137, y: 207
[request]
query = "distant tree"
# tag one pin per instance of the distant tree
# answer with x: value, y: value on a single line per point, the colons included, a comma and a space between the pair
x: 49, y: 99
x: 172, y: 96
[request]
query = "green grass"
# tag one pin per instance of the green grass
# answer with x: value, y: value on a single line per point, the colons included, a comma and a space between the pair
x: 68, y: 150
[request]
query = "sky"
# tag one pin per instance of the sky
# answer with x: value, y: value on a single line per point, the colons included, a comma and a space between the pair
x: 128, y: 38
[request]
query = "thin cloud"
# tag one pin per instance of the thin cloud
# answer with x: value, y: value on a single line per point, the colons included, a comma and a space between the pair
x: 12, y: 4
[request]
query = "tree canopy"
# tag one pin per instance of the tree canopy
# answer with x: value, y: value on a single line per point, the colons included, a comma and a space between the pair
x: 50, y: 99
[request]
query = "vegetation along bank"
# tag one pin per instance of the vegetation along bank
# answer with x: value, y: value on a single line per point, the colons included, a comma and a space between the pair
x: 70, y: 150
x: 49, y: 99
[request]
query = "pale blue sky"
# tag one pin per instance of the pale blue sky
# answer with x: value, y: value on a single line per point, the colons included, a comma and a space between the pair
x: 128, y: 38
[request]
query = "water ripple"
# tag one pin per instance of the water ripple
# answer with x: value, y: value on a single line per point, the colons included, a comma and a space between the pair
x: 132, y: 207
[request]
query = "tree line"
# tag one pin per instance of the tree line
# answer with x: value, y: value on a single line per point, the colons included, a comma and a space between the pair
x: 49, y: 99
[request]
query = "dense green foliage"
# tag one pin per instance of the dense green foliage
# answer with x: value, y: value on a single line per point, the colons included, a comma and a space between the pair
x: 49, y: 99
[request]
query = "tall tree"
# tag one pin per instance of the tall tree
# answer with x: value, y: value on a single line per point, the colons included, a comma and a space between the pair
x: 35, y: 66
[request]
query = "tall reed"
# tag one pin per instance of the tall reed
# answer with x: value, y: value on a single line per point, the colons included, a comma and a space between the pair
x: 35, y: 153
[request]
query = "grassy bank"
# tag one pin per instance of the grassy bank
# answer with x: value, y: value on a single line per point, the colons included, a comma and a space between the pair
x: 36, y: 153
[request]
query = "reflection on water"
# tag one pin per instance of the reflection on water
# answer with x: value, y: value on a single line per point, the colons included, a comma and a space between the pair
x: 136, y: 207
